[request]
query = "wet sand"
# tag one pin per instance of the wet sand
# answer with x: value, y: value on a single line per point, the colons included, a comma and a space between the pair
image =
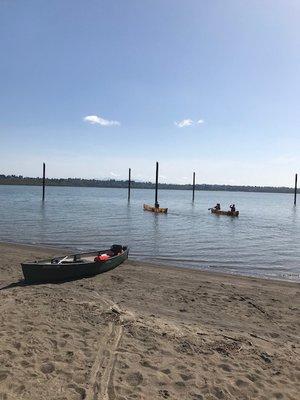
x: 146, y: 332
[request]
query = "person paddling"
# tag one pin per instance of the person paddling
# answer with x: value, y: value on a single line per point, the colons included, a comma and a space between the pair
x: 232, y: 207
x: 217, y: 207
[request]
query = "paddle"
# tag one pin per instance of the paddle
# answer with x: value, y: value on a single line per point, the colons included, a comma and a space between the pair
x: 63, y: 259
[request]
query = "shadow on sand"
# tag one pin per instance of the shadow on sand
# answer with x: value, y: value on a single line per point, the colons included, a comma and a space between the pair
x: 23, y: 283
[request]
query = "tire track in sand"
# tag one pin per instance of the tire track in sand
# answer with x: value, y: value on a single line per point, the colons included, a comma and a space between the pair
x: 101, y: 383
x: 101, y: 386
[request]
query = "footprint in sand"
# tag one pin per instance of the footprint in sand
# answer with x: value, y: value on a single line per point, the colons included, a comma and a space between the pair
x: 218, y: 393
x: 278, y: 395
x: 47, y: 368
x: 148, y: 365
x: 135, y: 378
x: 26, y: 364
x: 186, y: 377
x: 166, y: 371
x: 123, y: 365
x: 3, y: 375
x: 182, y: 368
x: 225, y: 367
x: 197, y: 397
x: 79, y: 390
x: 180, y: 384
x: 241, y: 383
x: 17, y: 345
x: 19, y: 390
x: 164, y: 393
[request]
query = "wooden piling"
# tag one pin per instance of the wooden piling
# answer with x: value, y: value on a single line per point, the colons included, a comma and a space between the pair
x: 194, y: 180
x: 44, y: 174
x: 295, y: 193
x: 156, y: 186
x: 129, y: 183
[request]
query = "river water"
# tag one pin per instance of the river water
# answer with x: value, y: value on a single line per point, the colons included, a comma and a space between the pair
x: 263, y: 241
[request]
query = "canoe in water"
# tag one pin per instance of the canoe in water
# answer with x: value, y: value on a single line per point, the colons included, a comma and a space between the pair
x: 229, y: 213
x: 74, y: 266
x: 155, y: 209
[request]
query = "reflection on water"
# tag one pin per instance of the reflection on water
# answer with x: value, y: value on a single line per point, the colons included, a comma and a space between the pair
x: 264, y: 240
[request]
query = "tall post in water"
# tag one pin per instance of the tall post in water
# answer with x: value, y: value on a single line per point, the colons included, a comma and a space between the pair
x: 129, y: 183
x: 44, y: 173
x: 295, y: 193
x: 156, y: 186
x: 194, y: 186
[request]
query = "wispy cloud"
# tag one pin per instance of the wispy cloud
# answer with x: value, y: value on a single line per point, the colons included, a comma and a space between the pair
x: 188, y: 122
x: 285, y: 159
x: 96, y: 120
x: 114, y: 175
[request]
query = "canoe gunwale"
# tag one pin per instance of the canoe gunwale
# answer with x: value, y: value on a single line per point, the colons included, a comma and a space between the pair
x: 89, y: 253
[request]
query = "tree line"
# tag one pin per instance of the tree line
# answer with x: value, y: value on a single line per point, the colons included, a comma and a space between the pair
x: 113, y: 183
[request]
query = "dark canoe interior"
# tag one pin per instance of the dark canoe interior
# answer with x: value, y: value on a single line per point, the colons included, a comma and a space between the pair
x: 73, y: 266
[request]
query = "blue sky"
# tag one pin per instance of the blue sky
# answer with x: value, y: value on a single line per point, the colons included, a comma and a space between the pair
x: 94, y: 87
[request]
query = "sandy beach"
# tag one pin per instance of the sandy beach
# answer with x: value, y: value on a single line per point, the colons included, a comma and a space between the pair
x: 146, y: 332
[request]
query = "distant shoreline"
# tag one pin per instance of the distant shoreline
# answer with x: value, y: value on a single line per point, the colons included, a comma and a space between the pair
x: 123, y: 184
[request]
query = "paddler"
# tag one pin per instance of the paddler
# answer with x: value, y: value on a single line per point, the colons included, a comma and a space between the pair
x: 217, y: 207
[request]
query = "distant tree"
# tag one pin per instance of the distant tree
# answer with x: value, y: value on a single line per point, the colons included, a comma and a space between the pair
x: 113, y: 183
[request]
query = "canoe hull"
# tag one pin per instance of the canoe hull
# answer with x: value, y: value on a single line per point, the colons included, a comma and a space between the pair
x: 229, y: 213
x: 155, y: 209
x: 54, y: 272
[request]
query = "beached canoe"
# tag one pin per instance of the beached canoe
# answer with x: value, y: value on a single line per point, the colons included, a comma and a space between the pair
x: 155, y: 209
x: 229, y: 213
x: 74, y: 266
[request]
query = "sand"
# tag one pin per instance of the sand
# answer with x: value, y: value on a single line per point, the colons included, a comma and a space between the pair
x: 146, y: 332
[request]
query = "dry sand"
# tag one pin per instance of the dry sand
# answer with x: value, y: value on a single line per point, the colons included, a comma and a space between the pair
x: 147, y: 332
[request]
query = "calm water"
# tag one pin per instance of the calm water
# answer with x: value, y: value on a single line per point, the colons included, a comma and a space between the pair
x: 263, y: 241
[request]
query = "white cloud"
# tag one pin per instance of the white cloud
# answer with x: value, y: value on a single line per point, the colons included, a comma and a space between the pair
x: 184, y: 123
x: 188, y: 122
x: 114, y: 175
x: 94, y: 119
